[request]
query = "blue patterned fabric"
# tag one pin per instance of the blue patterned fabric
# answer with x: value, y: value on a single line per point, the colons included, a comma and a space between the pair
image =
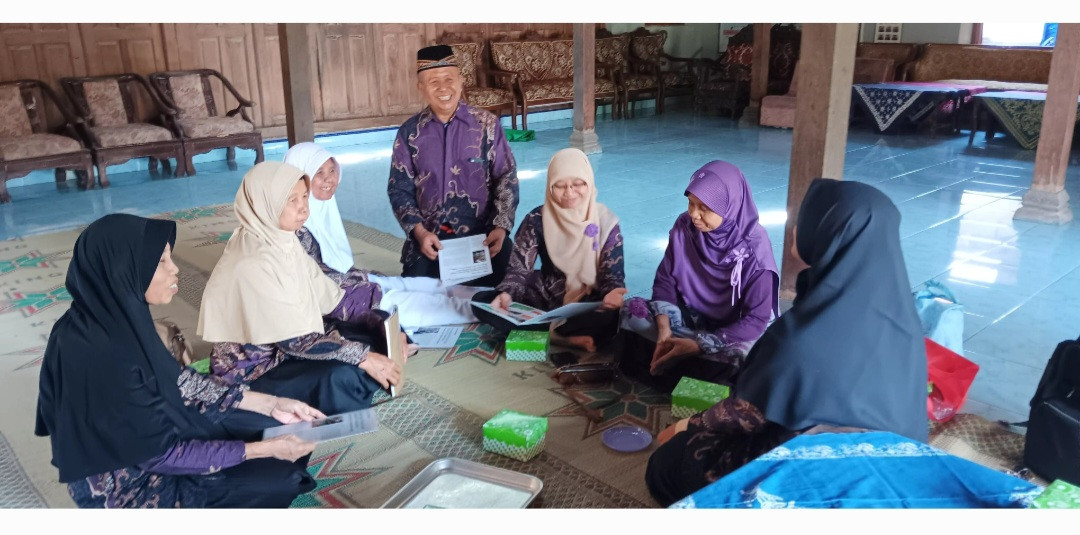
x: 862, y: 470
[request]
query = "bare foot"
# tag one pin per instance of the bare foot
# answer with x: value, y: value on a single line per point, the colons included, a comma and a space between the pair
x: 583, y: 342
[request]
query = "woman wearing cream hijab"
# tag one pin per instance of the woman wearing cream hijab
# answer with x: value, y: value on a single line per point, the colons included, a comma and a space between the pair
x: 581, y: 255
x: 421, y: 301
x: 264, y: 304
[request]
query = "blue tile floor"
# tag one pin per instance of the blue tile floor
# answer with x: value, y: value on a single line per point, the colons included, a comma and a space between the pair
x: 1018, y: 280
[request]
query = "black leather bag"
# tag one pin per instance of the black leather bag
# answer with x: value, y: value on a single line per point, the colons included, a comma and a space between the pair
x: 1052, y: 446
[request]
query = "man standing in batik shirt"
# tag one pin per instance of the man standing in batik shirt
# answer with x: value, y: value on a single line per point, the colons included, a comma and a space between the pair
x: 452, y: 173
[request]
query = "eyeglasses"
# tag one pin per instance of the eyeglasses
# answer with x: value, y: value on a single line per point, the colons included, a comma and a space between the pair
x: 579, y: 186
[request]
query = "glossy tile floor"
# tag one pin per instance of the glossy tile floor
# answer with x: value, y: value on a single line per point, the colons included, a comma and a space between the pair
x: 1018, y: 280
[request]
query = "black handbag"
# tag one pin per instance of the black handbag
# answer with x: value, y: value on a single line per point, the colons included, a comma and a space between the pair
x: 1052, y: 445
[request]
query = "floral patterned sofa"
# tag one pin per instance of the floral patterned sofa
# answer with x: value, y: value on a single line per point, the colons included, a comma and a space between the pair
x: 29, y: 140
x: 996, y: 68
x: 541, y: 72
x: 202, y: 128
x: 122, y: 118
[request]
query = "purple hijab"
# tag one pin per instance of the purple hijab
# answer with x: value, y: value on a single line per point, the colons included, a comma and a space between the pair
x: 709, y: 268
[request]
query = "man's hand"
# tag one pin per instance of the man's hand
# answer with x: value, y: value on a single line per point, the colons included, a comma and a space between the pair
x: 672, y: 351
x: 494, y: 241
x: 382, y: 369
x: 502, y: 302
x: 428, y: 241
x: 614, y: 299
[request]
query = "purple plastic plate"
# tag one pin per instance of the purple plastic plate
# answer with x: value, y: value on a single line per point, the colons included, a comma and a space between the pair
x: 626, y: 438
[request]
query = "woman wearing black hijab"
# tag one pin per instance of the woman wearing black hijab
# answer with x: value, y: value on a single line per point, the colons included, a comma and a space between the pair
x: 848, y: 354
x: 129, y: 427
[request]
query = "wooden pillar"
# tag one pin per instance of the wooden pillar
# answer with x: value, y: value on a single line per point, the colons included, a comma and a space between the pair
x: 827, y: 61
x: 584, y: 134
x: 759, y: 72
x: 1047, y: 200
x: 296, y: 74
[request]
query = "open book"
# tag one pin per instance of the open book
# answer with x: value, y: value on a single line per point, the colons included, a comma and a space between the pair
x: 522, y: 314
x: 329, y: 428
x: 394, y: 350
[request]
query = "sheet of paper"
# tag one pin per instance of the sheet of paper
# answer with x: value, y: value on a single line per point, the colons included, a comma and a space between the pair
x: 565, y: 311
x: 442, y: 337
x: 332, y: 427
x: 464, y: 259
x: 521, y: 314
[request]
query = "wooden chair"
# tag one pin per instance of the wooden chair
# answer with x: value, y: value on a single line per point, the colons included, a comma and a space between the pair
x: 37, y: 131
x: 725, y: 82
x: 200, y: 125
x: 122, y: 118
x: 470, y: 58
x: 673, y: 75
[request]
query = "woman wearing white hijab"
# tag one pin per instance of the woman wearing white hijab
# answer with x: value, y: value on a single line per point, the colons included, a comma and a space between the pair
x: 580, y: 249
x: 264, y: 304
x: 421, y: 301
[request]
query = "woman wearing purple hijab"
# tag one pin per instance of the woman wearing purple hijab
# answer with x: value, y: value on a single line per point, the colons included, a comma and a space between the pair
x: 715, y: 290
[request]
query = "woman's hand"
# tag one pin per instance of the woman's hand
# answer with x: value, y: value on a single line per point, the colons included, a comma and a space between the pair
x: 614, y: 299
x: 502, y: 301
x: 284, y: 447
x: 663, y: 330
x: 672, y: 430
x: 382, y: 369
x: 290, y: 411
x: 672, y: 351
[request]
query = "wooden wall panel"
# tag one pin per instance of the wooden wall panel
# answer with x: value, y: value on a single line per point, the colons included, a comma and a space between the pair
x: 346, y: 67
x: 116, y: 48
x: 396, y: 65
x: 44, y: 52
x: 270, y: 101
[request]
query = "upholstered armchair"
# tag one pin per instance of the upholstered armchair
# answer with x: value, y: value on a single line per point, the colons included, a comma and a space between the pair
x: 122, y: 118
x: 201, y: 127
x: 724, y: 82
x: 37, y: 131
x: 494, y: 99
x: 673, y: 75
x: 779, y: 110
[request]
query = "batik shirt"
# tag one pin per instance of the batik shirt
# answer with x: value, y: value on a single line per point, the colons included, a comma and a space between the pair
x: 545, y: 288
x: 150, y: 484
x: 457, y: 177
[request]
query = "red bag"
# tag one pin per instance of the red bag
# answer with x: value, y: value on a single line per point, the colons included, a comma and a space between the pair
x: 951, y: 376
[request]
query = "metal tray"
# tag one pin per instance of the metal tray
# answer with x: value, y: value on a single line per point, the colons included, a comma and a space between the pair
x: 528, y: 486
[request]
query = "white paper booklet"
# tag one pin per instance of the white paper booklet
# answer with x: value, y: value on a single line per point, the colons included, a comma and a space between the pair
x: 522, y: 314
x: 329, y: 428
x: 436, y: 337
x: 464, y: 259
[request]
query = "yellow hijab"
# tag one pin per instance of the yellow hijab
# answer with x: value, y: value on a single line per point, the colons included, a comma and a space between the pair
x: 574, y: 237
x: 265, y: 288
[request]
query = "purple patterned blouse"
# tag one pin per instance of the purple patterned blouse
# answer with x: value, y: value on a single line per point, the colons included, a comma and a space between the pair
x: 545, y: 288
x: 460, y: 174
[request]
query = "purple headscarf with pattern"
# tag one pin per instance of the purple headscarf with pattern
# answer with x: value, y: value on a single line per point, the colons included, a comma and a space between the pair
x: 710, y: 267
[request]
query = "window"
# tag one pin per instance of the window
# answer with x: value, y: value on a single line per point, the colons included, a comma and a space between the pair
x: 1019, y: 33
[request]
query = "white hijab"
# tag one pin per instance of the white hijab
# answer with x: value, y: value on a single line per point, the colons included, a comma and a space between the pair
x: 324, y: 223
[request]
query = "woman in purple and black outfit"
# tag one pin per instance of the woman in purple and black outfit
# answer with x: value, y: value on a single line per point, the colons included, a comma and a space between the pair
x: 715, y: 291
x: 128, y: 426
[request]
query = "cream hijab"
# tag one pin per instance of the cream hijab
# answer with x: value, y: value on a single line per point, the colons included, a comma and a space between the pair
x: 325, y: 219
x: 575, y: 237
x: 265, y: 288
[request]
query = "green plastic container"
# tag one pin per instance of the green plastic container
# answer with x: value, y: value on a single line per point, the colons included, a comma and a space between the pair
x: 527, y: 346
x: 692, y: 396
x: 515, y: 435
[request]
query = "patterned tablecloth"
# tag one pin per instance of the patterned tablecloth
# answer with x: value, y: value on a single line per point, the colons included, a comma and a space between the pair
x: 1020, y: 112
x: 897, y: 105
x: 864, y: 470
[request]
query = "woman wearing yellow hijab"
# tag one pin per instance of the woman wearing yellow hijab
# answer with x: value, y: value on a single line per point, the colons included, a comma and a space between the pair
x: 581, y: 255
x: 264, y: 304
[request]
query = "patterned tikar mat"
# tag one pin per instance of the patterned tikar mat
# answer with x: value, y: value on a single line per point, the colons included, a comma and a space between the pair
x: 448, y: 395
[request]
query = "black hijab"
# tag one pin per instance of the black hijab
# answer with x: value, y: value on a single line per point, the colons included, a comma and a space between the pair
x: 108, y: 397
x: 850, y: 352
